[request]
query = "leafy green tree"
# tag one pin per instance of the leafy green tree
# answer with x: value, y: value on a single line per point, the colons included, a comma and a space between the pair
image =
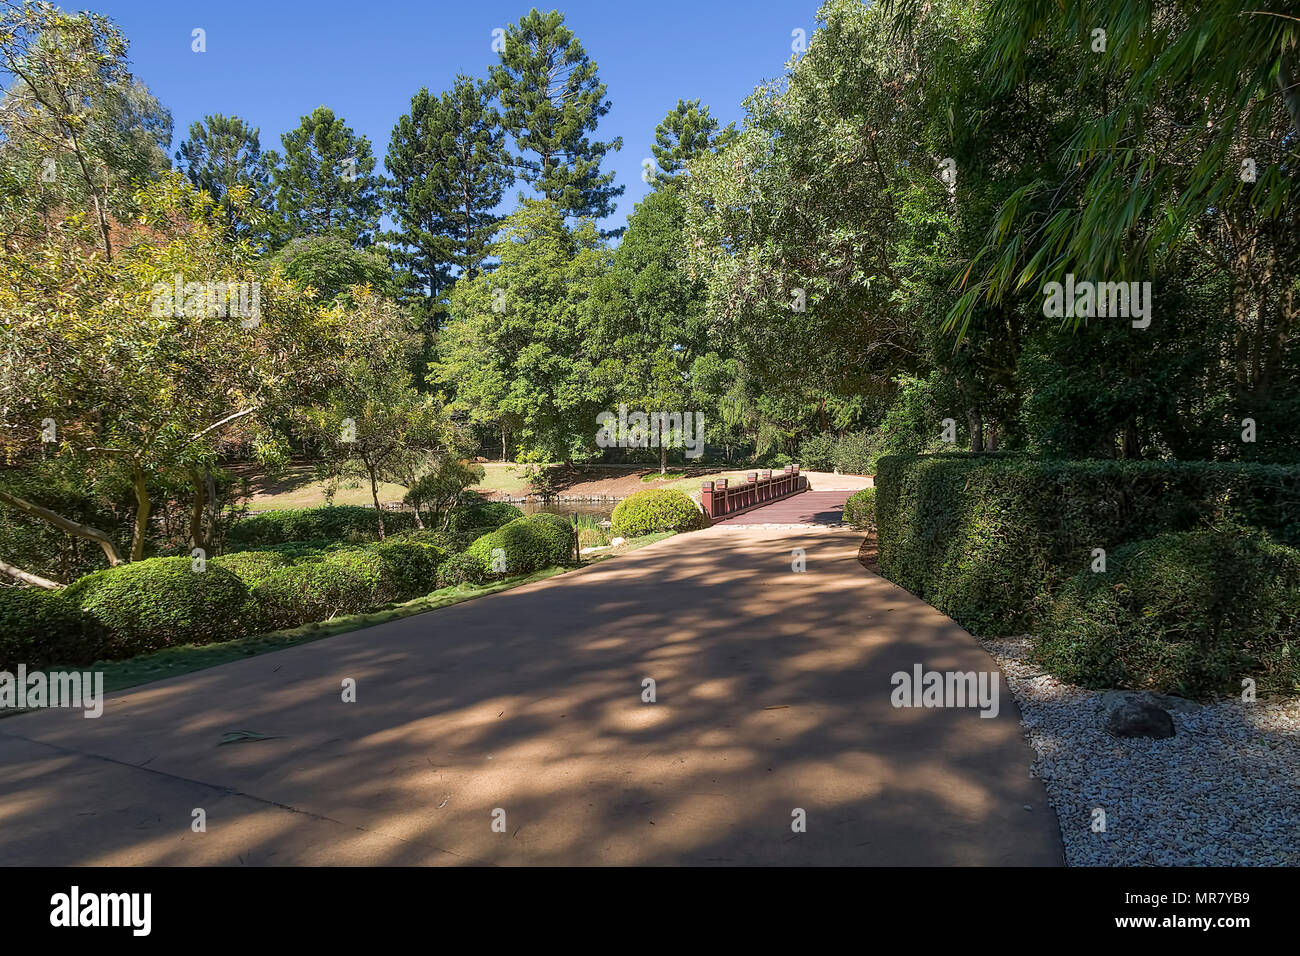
x: 686, y: 132
x: 325, y: 183
x: 552, y: 100
x: 449, y: 168
x: 150, y: 365
x: 331, y: 266
x: 374, y: 424
x: 526, y: 329
x: 651, y: 323
x: 441, y: 488
x: 223, y: 152
x: 76, y: 128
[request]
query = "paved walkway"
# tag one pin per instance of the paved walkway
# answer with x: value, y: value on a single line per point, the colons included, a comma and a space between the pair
x: 773, y: 695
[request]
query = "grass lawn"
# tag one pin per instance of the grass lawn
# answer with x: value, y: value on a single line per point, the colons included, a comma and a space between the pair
x: 296, y: 487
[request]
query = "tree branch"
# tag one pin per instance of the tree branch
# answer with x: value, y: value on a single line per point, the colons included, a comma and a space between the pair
x: 64, y: 524
x: 35, y: 580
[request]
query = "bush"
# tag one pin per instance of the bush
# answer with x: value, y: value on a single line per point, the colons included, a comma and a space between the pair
x: 483, y: 516
x: 860, y: 509
x: 817, y: 452
x: 339, y: 582
x: 1189, y: 612
x: 252, y: 567
x: 986, y: 537
x: 460, y: 569
x: 351, y: 523
x: 160, y: 602
x: 453, y: 542
x: 530, y: 543
x: 39, y: 628
x: 412, y: 566
x: 856, y: 453
x: 646, y: 512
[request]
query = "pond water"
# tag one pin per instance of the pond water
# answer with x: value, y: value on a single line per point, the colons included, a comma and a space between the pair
x: 595, y: 509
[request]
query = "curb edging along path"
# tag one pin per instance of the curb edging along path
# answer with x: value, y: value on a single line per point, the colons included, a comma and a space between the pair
x: 772, y: 696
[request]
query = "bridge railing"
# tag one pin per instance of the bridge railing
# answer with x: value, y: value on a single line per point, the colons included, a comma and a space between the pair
x: 719, y: 499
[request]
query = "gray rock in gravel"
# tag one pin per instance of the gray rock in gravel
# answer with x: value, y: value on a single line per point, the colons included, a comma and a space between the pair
x: 1136, y: 717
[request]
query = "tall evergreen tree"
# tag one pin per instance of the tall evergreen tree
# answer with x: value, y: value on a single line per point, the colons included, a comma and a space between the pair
x: 687, y: 131
x: 552, y: 99
x: 324, y: 183
x: 449, y: 168
x: 223, y: 152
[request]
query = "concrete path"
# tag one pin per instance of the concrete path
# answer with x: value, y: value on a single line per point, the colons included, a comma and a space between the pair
x: 773, y: 695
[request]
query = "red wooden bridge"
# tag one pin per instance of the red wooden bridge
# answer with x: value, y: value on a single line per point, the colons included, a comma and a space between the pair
x: 766, y: 498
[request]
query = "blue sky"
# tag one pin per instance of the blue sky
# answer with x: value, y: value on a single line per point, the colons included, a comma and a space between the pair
x: 270, y: 62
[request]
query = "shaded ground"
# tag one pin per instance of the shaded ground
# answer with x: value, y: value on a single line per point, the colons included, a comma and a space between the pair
x: 773, y: 695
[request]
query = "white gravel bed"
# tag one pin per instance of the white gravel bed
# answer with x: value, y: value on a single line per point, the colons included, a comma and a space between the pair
x: 1223, y: 791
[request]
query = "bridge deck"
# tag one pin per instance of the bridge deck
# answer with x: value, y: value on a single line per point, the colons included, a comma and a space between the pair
x: 808, y: 508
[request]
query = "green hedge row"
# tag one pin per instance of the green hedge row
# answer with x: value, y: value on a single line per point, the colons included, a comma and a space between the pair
x: 161, y: 602
x: 353, y: 523
x: 39, y: 628
x: 987, y: 538
x: 647, y: 512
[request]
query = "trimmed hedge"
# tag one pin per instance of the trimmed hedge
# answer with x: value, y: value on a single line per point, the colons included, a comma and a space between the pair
x: 530, y: 543
x: 353, y: 523
x: 252, y: 567
x: 339, y: 582
x: 40, y: 627
x: 483, y: 516
x: 645, y: 512
x: 159, y: 602
x: 985, y: 538
x: 1190, y: 612
x: 860, y: 509
x: 460, y: 569
x: 412, y: 566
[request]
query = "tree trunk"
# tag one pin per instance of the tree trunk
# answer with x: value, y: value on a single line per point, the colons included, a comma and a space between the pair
x: 197, y: 537
x: 142, y: 507
x: 663, y: 459
x: 35, y: 580
x: 374, y: 494
x: 503, y: 443
x: 975, y: 419
x: 65, y: 524
x: 418, y: 523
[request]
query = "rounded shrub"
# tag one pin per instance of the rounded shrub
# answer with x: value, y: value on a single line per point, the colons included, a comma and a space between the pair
x: 412, y: 566
x: 161, y: 602
x: 529, y: 544
x: 460, y: 569
x: 1190, y: 613
x: 40, y: 627
x: 646, y: 512
x: 860, y: 509
x: 339, y: 582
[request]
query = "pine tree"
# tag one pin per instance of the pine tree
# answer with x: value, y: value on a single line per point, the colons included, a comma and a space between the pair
x: 687, y: 131
x: 324, y: 183
x: 223, y: 152
x: 552, y: 99
x: 449, y: 168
